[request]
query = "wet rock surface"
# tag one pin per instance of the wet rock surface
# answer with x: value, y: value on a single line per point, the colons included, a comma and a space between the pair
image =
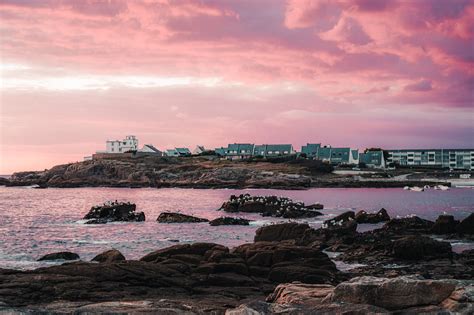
x: 269, y: 206
x: 229, y: 221
x: 60, y: 256
x: 114, y: 212
x: 174, y: 217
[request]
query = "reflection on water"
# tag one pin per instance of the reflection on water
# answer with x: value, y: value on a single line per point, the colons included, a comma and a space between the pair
x: 34, y: 222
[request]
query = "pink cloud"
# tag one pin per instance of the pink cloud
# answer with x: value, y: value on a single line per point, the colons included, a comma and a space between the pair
x: 234, y: 70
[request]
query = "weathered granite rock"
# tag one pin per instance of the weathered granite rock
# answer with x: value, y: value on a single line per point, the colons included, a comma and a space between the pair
x: 466, y: 226
x: 269, y: 206
x: 300, y: 293
x: 173, y: 217
x: 393, y: 294
x: 199, y: 249
x: 364, y: 217
x: 280, y: 232
x: 316, y: 206
x: 444, y: 224
x: 229, y: 221
x: 421, y: 247
x: 114, y: 211
x: 60, y: 256
x: 109, y: 256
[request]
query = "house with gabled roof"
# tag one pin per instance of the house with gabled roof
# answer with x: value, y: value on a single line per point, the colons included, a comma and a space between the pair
x: 272, y: 150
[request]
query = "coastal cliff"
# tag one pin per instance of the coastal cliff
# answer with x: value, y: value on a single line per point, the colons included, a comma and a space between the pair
x: 196, y: 172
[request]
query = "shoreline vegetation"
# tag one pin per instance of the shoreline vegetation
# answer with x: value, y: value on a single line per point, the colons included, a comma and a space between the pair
x: 401, y: 267
x: 208, y: 172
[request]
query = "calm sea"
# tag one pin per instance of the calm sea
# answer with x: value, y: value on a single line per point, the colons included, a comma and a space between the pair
x: 34, y: 222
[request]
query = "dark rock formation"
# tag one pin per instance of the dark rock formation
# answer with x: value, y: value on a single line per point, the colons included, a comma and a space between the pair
x: 229, y: 221
x: 114, y: 211
x: 60, y: 256
x: 420, y: 247
x: 173, y: 217
x: 315, y: 206
x: 281, y: 232
x: 344, y: 223
x: 364, y: 217
x: 466, y: 226
x: 445, y: 224
x: 4, y: 181
x: 109, y: 256
x: 409, y: 224
x: 269, y: 206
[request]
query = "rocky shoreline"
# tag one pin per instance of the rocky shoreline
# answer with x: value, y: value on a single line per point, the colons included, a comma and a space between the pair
x: 198, y: 172
x: 403, y: 268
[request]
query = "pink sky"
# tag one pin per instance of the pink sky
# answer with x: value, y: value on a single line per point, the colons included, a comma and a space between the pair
x: 360, y: 73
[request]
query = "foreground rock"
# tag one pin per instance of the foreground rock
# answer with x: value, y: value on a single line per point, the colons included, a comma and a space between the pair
x: 393, y: 294
x: 229, y: 221
x: 269, y: 206
x: 173, y: 217
x: 344, y: 223
x: 281, y: 232
x: 109, y: 256
x: 114, y: 212
x: 445, y: 224
x: 365, y: 295
x: 372, y: 218
x: 60, y: 256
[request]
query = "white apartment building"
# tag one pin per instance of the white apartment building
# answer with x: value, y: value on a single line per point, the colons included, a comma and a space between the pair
x: 445, y: 158
x: 130, y: 143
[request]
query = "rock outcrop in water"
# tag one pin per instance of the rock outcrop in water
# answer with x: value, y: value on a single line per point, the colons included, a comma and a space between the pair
x: 229, y: 221
x: 109, y: 256
x: 114, y: 212
x: 372, y: 218
x: 174, y: 217
x: 269, y: 206
x: 60, y: 256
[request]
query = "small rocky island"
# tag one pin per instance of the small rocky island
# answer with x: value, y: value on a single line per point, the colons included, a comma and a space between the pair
x: 114, y: 211
x: 271, y: 206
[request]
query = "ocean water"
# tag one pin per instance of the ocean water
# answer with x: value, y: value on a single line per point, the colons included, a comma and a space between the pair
x: 34, y: 222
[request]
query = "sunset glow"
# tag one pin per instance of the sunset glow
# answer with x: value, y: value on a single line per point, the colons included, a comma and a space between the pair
x: 359, y: 73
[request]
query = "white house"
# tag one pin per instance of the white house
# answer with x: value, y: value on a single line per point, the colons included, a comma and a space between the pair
x: 150, y: 149
x: 199, y: 149
x: 130, y: 143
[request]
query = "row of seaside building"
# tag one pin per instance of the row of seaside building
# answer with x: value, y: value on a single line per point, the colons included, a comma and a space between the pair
x: 375, y: 158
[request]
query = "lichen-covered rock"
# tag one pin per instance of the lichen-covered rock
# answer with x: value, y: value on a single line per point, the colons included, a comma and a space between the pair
x: 173, y: 217
x: 409, y: 224
x: 60, y: 256
x: 113, y: 212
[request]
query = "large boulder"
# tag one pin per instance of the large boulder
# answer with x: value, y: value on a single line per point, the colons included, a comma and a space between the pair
x: 396, y: 293
x: 109, y: 256
x: 60, y: 256
x: 280, y: 232
x: 466, y: 226
x: 229, y: 221
x: 420, y: 247
x: 173, y: 217
x: 270, y: 206
x: 364, y: 217
x: 408, y: 224
x: 114, y: 211
x: 444, y: 224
